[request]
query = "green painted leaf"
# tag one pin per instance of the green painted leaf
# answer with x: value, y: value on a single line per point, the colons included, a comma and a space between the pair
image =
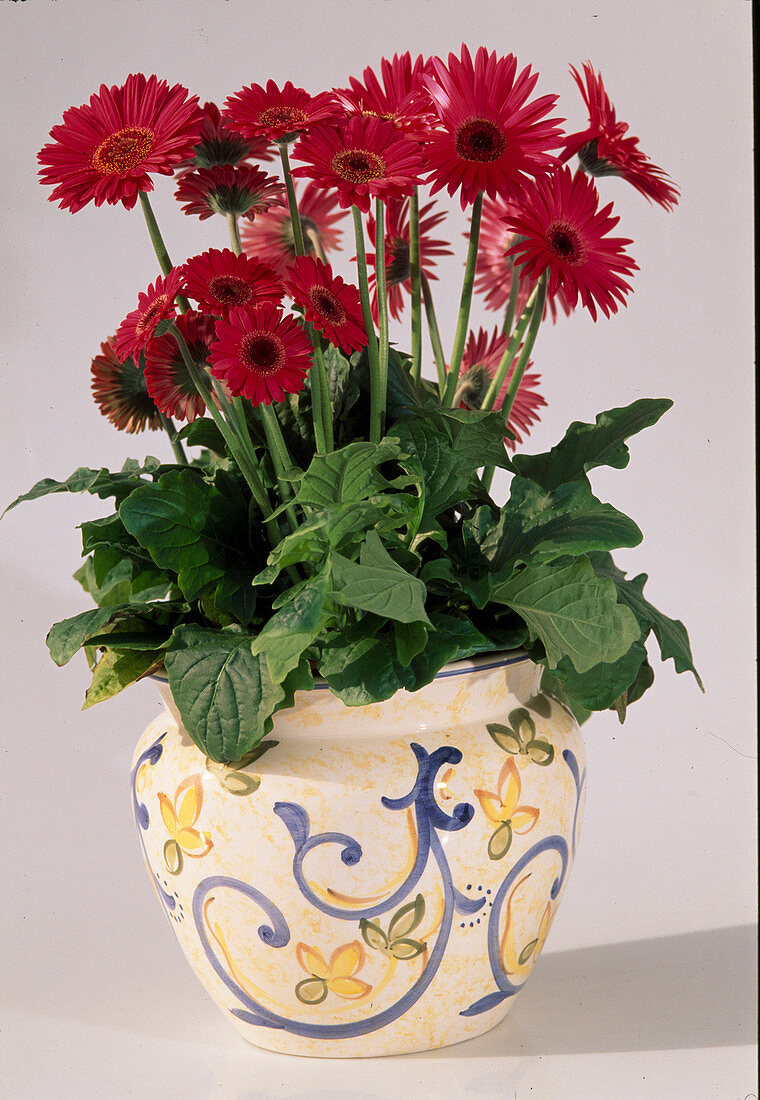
x: 311, y: 991
x: 540, y: 752
x: 572, y: 612
x: 223, y: 692
x: 404, y: 949
x: 504, y: 737
x: 377, y: 584
x: 500, y: 841
x: 407, y: 918
x: 526, y: 952
x: 293, y: 627
x: 373, y: 935
x: 585, y: 446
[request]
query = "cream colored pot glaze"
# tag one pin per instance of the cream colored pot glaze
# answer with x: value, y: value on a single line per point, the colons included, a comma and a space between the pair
x: 382, y: 879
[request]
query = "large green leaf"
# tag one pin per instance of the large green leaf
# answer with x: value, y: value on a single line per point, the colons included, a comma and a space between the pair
x: 377, y: 584
x: 671, y: 634
x: 225, y: 694
x: 293, y: 627
x: 347, y: 475
x: 572, y: 612
x: 69, y: 635
x: 102, y: 483
x: 361, y: 669
x: 117, y: 670
x: 602, y: 685
x: 585, y: 446
x: 188, y: 526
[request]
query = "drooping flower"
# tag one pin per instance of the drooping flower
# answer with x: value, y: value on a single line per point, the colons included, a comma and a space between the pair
x: 166, y: 374
x: 242, y: 190
x: 563, y: 232
x: 153, y: 306
x: 397, y: 253
x: 219, y: 281
x: 480, y: 361
x: 277, y: 114
x: 120, y: 392
x: 105, y: 151
x: 490, y: 137
x: 365, y: 158
x: 604, y: 150
x: 219, y: 145
x: 494, y: 267
x: 261, y: 354
x: 330, y: 304
x: 399, y: 99
x: 270, y: 236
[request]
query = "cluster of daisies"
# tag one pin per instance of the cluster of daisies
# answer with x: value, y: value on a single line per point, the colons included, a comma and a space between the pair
x: 251, y: 320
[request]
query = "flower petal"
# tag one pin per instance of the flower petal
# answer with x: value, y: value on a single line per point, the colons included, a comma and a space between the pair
x: 312, y: 960
x: 346, y: 959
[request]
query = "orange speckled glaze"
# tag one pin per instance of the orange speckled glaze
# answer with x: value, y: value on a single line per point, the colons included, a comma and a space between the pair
x: 382, y: 879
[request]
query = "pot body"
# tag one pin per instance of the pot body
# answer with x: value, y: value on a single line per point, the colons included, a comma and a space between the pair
x: 381, y: 879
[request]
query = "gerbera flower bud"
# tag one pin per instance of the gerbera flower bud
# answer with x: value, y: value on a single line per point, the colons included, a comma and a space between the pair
x: 121, y: 393
x: 240, y: 190
x: 105, y: 151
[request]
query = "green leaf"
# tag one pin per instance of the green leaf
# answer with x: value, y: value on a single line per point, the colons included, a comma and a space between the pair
x: 102, y: 483
x: 644, y: 680
x: 188, y: 526
x: 378, y: 584
x: 500, y: 841
x: 373, y: 935
x: 293, y: 628
x: 404, y: 949
x: 347, y: 475
x: 115, y: 671
x: 572, y: 612
x: 552, y: 685
x: 203, y: 432
x: 600, y: 686
x: 407, y: 918
x: 411, y: 639
x: 223, y: 692
x: 66, y: 637
x: 585, y: 446
x: 671, y: 634
x: 360, y: 669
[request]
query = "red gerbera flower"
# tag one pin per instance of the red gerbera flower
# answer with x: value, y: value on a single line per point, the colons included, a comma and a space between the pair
x: 493, y: 271
x: 482, y: 355
x: 490, y: 138
x: 563, y: 232
x: 166, y: 375
x: 270, y: 237
x: 278, y: 115
x: 260, y: 354
x: 104, y: 151
x: 120, y: 392
x: 399, y: 99
x: 153, y: 306
x: 330, y: 304
x: 239, y: 189
x: 220, y: 145
x: 397, y: 271
x: 365, y: 158
x: 219, y: 281
x: 603, y: 149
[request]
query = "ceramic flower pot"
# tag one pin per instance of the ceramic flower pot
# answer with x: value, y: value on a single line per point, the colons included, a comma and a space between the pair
x: 381, y: 879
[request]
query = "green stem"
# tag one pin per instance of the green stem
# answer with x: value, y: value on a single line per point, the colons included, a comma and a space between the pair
x: 281, y: 459
x: 232, y: 221
x: 465, y: 302
x: 514, y: 290
x: 321, y: 408
x: 379, y: 383
x: 361, y: 265
x: 435, y: 335
x: 295, y: 219
x: 164, y: 262
x: 171, y: 430
x: 509, y: 353
x: 414, y: 276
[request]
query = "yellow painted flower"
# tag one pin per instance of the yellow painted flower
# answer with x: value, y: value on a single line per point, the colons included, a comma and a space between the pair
x: 179, y: 817
x: 503, y: 811
x: 335, y: 976
x: 518, y: 960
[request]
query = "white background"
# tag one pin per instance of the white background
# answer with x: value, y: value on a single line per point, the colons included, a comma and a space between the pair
x: 646, y: 985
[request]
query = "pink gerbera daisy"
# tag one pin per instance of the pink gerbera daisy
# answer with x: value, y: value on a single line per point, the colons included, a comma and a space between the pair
x: 260, y: 354
x: 153, y: 306
x: 241, y: 190
x: 563, y: 232
x: 399, y: 99
x: 270, y: 237
x: 604, y: 150
x: 277, y: 114
x: 490, y: 138
x: 120, y: 392
x: 494, y: 268
x: 219, y: 281
x: 219, y: 144
x: 106, y: 150
x: 482, y: 355
x: 397, y: 271
x: 330, y: 304
x: 365, y: 158
x: 166, y: 374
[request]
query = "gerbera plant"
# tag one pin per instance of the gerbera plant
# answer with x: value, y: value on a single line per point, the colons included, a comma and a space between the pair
x: 327, y: 511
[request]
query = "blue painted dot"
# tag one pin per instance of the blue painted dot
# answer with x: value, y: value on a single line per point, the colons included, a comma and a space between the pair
x: 469, y: 886
x: 480, y: 888
x: 488, y: 891
x: 471, y: 924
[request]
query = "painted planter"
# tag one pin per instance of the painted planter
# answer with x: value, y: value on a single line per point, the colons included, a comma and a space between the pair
x: 381, y: 879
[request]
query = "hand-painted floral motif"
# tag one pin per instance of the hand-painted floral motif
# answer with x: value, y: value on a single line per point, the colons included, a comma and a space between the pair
x: 179, y: 817
x: 519, y: 737
x: 503, y: 811
x: 518, y: 960
x: 336, y: 976
x: 396, y: 942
